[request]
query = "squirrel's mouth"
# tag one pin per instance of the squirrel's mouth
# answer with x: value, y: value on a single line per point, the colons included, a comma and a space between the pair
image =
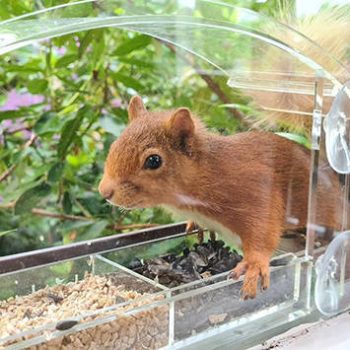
x: 127, y: 206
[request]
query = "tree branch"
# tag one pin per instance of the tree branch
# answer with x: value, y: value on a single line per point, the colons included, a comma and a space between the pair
x: 10, y: 170
x: 42, y: 212
x: 215, y: 87
x: 130, y: 227
x: 45, y: 213
x: 19, y: 129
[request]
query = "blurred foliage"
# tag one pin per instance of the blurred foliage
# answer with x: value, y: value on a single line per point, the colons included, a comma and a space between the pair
x: 63, y: 103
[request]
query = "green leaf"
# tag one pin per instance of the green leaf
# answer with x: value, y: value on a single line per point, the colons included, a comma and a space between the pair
x: 37, y: 86
x: 71, y: 107
x: 55, y: 173
x: 127, y: 81
x: 20, y: 7
x: 14, y: 114
x: 79, y: 160
x: 85, y: 42
x: 3, y: 233
x: 75, y: 225
x: 4, y: 13
x: 85, y: 9
x: 296, y: 138
x: 94, y: 230
x: 31, y: 197
x: 136, y: 62
x: 61, y: 41
x: 22, y: 69
x: 98, y: 51
x: 66, y: 60
x: 62, y: 269
x: 108, y: 123
x: 243, y: 108
x: 67, y: 203
x: 48, y: 123
x: 135, y: 43
x: 69, y: 131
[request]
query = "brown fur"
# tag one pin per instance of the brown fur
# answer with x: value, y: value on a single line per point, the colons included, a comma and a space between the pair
x: 249, y: 183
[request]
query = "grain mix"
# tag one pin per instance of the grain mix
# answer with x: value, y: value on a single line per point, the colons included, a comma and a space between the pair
x: 61, y: 305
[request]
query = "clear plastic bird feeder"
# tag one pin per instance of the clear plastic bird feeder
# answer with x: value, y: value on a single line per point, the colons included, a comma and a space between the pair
x: 221, y: 40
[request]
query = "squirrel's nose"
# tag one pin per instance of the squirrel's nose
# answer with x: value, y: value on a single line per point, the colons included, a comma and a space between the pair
x: 106, y: 191
x: 107, y: 194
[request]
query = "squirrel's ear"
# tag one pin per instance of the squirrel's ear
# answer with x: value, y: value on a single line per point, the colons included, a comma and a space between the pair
x: 181, y: 122
x: 136, y: 108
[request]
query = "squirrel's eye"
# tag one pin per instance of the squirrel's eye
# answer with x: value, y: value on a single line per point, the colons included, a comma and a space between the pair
x: 153, y: 162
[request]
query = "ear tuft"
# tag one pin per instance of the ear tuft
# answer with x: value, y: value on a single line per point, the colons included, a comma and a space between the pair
x: 136, y: 108
x: 181, y: 123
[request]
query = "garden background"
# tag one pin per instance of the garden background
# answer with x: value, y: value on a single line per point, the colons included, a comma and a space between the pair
x: 62, y: 103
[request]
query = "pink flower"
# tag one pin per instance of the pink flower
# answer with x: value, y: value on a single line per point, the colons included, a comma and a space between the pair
x: 77, y: 41
x: 7, y: 123
x: 16, y: 100
x: 12, y: 125
x: 116, y: 103
x: 60, y: 51
x: 17, y: 125
x: 26, y: 134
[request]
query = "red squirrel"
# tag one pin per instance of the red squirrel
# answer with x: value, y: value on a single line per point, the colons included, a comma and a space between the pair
x: 247, y: 185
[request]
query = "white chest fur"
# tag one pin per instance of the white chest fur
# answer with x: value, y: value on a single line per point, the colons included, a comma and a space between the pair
x: 228, y: 236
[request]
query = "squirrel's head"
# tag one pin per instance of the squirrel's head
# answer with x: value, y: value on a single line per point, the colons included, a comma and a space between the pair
x: 152, y: 160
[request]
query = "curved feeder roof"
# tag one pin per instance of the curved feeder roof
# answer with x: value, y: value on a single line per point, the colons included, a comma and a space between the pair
x: 252, y: 51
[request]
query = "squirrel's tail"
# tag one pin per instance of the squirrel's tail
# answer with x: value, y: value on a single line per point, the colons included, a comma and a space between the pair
x: 329, y: 29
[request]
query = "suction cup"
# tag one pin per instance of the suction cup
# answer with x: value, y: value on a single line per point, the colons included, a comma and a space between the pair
x: 337, y: 129
x: 332, y: 289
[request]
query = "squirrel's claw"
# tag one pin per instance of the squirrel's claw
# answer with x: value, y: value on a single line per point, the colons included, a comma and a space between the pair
x: 191, y: 226
x: 212, y: 236
x: 239, y: 270
x: 252, y: 271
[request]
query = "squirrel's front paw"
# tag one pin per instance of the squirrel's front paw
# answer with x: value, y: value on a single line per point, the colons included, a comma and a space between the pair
x: 191, y: 226
x: 253, y: 271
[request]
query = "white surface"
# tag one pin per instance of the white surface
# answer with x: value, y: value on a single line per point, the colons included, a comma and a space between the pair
x: 333, y: 334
